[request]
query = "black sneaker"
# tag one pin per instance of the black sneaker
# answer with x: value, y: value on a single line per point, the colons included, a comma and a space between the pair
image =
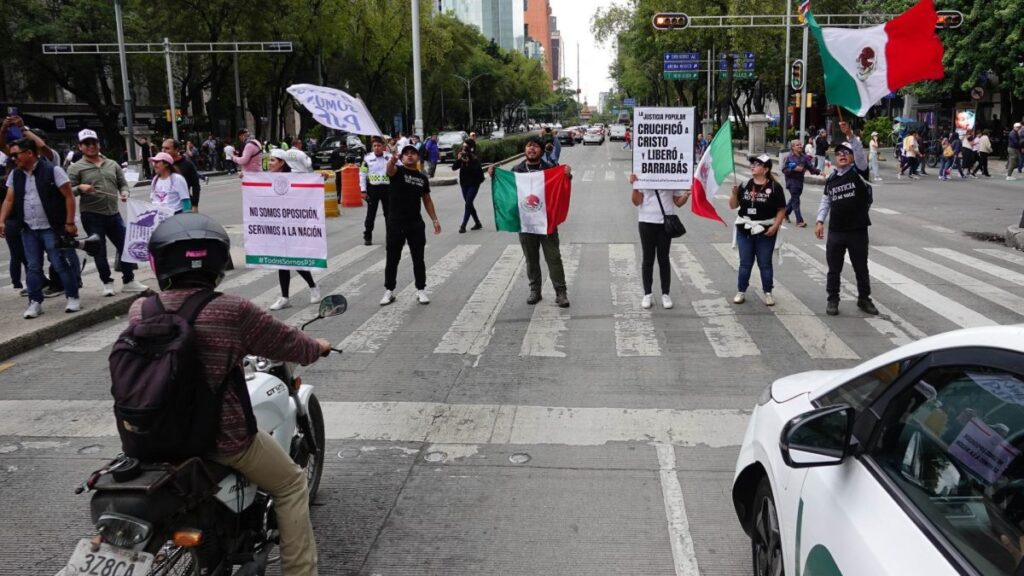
x: 562, y: 299
x: 867, y: 306
x: 832, y: 308
x: 367, y: 242
x: 534, y: 297
x: 462, y: 229
x: 50, y: 292
x: 477, y: 226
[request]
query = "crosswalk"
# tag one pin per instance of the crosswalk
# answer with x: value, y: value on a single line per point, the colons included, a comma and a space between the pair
x: 918, y: 290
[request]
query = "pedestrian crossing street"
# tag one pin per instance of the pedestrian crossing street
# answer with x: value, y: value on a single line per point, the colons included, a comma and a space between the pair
x: 918, y: 290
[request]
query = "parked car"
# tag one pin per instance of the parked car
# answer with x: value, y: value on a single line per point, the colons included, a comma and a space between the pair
x: 566, y: 137
x: 910, y: 463
x: 448, y: 144
x: 593, y: 136
x: 339, y: 150
x: 497, y: 135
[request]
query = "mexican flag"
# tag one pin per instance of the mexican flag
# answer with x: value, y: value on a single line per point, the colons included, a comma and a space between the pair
x: 863, y: 65
x: 532, y: 202
x: 715, y: 165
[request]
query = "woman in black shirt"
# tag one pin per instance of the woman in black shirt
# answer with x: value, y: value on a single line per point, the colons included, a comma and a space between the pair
x: 762, y: 207
x: 471, y: 175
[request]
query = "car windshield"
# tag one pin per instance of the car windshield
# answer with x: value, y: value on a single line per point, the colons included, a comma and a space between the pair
x: 450, y: 138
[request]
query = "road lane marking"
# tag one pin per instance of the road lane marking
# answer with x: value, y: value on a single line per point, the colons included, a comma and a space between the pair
x: 334, y: 265
x: 371, y: 335
x: 683, y: 556
x: 813, y: 335
x: 609, y: 175
x: 885, y: 211
x: 549, y: 325
x: 993, y: 294
x: 889, y: 324
x: 946, y: 307
x: 978, y: 264
x: 938, y: 228
x: 1002, y: 254
x: 350, y: 289
x: 471, y: 330
x: 588, y: 175
x: 634, y: 327
x: 722, y: 328
x: 431, y: 422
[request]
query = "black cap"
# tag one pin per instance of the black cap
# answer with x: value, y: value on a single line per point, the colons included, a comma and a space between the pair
x: 407, y: 148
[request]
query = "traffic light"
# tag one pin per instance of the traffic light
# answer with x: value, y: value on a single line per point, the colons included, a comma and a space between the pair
x: 670, y: 21
x: 796, y: 74
x: 177, y: 114
x: 949, y: 19
x: 167, y: 114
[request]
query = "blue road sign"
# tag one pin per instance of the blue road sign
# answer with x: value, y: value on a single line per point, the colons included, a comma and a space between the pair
x: 681, y: 57
x: 736, y: 65
x: 629, y: 102
x: 739, y: 56
x: 674, y: 66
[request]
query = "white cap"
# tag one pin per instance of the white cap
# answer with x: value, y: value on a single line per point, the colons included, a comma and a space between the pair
x: 86, y: 135
x: 1016, y: 125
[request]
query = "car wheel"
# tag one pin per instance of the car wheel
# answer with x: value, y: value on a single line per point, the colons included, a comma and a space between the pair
x: 765, y: 539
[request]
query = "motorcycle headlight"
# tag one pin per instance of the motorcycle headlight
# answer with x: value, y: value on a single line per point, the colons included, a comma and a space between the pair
x: 766, y: 396
x: 123, y: 531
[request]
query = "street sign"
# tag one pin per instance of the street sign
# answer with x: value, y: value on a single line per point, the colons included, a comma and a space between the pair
x: 681, y: 75
x: 670, y: 21
x: 977, y: 93
x: 796, y: 74
x: 737, y: 65
x: 629, y: 102
x: 682, y: 56
x: 736, y: 74
x: 673, y: 66
x: 738, y: 56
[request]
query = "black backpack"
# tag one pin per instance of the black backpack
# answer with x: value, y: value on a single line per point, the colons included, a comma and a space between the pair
x: 164, y: 407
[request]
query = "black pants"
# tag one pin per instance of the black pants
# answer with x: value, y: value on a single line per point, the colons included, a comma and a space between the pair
x: 284, y: 277
x: 532, y: 245
x: 108, y: 227
x: 655, y: 241
x: 982, y: 164
x: 469, y: 192
x: 398, y: 233
x: 374, y: 195
x: 12, y: 234
x: 836, y: 246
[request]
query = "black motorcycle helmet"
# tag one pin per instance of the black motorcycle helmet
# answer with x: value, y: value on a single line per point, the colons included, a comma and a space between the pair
x: 189, y: 247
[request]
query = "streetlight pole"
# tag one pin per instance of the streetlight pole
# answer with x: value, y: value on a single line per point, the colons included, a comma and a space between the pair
x: 170, y: 89
x: 417, y: 82
x: 126, y: 93
x: 784, y: 107
x: 469, y: 89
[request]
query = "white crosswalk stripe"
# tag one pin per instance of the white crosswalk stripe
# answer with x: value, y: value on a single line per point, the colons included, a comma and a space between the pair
x: 634, y: 328
x: 549, y: 325
x: 1002, y: 254
x: 979, y: 264
x: 938, y: 228
x: 588, y: 176
x: 609, y: 175
x: 885, y: 211
x: 813, y: 335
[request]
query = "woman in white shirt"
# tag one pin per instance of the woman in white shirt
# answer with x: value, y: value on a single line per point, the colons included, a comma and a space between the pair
x: 653, y: 206
x: 168, y: 187
x: 873, y: 158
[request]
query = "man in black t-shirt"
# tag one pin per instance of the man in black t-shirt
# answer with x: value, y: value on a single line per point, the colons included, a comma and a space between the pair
x: 409, y: 189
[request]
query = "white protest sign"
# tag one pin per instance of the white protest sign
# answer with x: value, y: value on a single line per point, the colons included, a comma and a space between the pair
x: 663, y: 148
x: 335, y: 109
x: 284, y: 221
x: 983, y: 450
x: 143, y: 218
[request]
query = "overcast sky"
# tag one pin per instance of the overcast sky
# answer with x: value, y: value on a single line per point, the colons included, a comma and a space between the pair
x: 574, y: 24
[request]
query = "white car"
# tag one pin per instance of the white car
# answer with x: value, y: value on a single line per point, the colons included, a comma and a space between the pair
x: 593, y: 136
x: 910, y: 463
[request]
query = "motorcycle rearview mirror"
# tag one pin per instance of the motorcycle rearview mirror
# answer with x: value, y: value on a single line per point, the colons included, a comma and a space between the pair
x: 333, y: 305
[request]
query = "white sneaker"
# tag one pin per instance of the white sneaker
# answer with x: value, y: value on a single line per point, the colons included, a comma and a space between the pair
x: 739, y: 298
x: 666, y: 302
x: 34, y: 310
x: 73, y: 305
x: 422, y: 297
x: 769, y: 300
x: 646, y: 302
x: 134, y: 287
x: 1010, y: 178
x: 388, y: 298
x: 108, y: 289
x: 314, y: 295
x: 878, y: 179
x: 280, y: 303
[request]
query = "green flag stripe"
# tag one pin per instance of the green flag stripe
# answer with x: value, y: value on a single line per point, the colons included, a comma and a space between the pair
x: 506, y: 201
x: 840, y: 87
x: 722, y: 163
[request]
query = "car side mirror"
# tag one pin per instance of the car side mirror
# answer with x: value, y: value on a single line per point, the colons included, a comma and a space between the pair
x: 817, y: 438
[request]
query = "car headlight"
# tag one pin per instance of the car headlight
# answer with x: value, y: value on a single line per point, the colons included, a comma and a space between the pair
x: 123, y: 531
x: 766, y: 396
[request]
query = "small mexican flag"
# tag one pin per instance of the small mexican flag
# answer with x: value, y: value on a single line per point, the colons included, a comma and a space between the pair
x: 863, y: 65
x: 715, y: 165
x: 532, y: 202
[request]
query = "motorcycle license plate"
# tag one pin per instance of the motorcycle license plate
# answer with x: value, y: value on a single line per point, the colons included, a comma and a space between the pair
x: 107, y: 560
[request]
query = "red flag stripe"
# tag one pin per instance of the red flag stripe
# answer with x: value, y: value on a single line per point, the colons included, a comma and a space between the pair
x: 700, y: 204
x: 557, y: 189
x: 914, y: 51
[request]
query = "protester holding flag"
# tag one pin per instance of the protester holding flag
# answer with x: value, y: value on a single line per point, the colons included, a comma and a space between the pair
x: 762, y: 207
x: 533, y: 199
x: 168, y: 188
x: 848, y: 197
x: 409, y: 188
x: 292, y: 160
x: 654, y: 206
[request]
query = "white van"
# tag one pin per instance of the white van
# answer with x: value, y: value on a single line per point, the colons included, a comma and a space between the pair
x: 617, y: 132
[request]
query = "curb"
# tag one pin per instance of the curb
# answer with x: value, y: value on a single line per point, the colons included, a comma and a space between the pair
x: 1015, y: 237
x: 71, y: 324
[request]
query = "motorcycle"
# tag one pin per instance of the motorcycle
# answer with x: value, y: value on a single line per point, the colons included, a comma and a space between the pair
x: 198, y: 517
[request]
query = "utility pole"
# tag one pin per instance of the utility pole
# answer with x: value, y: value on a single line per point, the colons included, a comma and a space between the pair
x: 239, y: 113
x: 729, y: 61
x: 784, y: 107
x: 126, y: 93
x: 417, y: 83
x: 170, y: 89
x: 803, y: 91
x: 469, y: 90
x: 578, y: 88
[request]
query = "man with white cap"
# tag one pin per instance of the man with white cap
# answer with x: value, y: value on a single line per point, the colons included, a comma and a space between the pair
x: 99, y: 183
x: 1013, y: 146
x: 848, y: 197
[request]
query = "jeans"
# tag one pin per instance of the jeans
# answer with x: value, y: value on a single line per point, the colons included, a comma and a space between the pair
x: 873, y: 165
x: 532, y: 244
x: 374, y: 195
x: 284, y: 277
x: 944, y: 165
x: 64, y: 261
x: 108, y: 227
x: 398, y: 234
x: 468, y: 195
x: 429, y: 168
x: 759, y: 247
x: 836, y: 246
x: 655, y: 241
x: 12, y: 233
x: 793, y: 206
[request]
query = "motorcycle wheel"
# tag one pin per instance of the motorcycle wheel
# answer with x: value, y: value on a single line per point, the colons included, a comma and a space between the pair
x: 315, y: 465
x: 179, y: 562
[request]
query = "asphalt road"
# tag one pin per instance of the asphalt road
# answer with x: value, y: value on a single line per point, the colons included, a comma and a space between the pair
x: 480, y: 435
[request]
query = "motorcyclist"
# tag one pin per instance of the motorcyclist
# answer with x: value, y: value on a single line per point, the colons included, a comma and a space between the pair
x: 189, y: 252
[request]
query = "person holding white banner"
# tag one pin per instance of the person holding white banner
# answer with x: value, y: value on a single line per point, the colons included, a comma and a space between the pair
x: 168, y: 187
x: 293, y: 160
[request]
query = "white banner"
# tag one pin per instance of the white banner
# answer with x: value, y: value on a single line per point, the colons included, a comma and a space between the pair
x: 663, y: 148
x: 335, y: 109
x: 143, y: 218
x: 284, y: 221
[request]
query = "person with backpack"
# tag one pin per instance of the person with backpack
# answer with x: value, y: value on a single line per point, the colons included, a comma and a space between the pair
x: 199, y: 376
